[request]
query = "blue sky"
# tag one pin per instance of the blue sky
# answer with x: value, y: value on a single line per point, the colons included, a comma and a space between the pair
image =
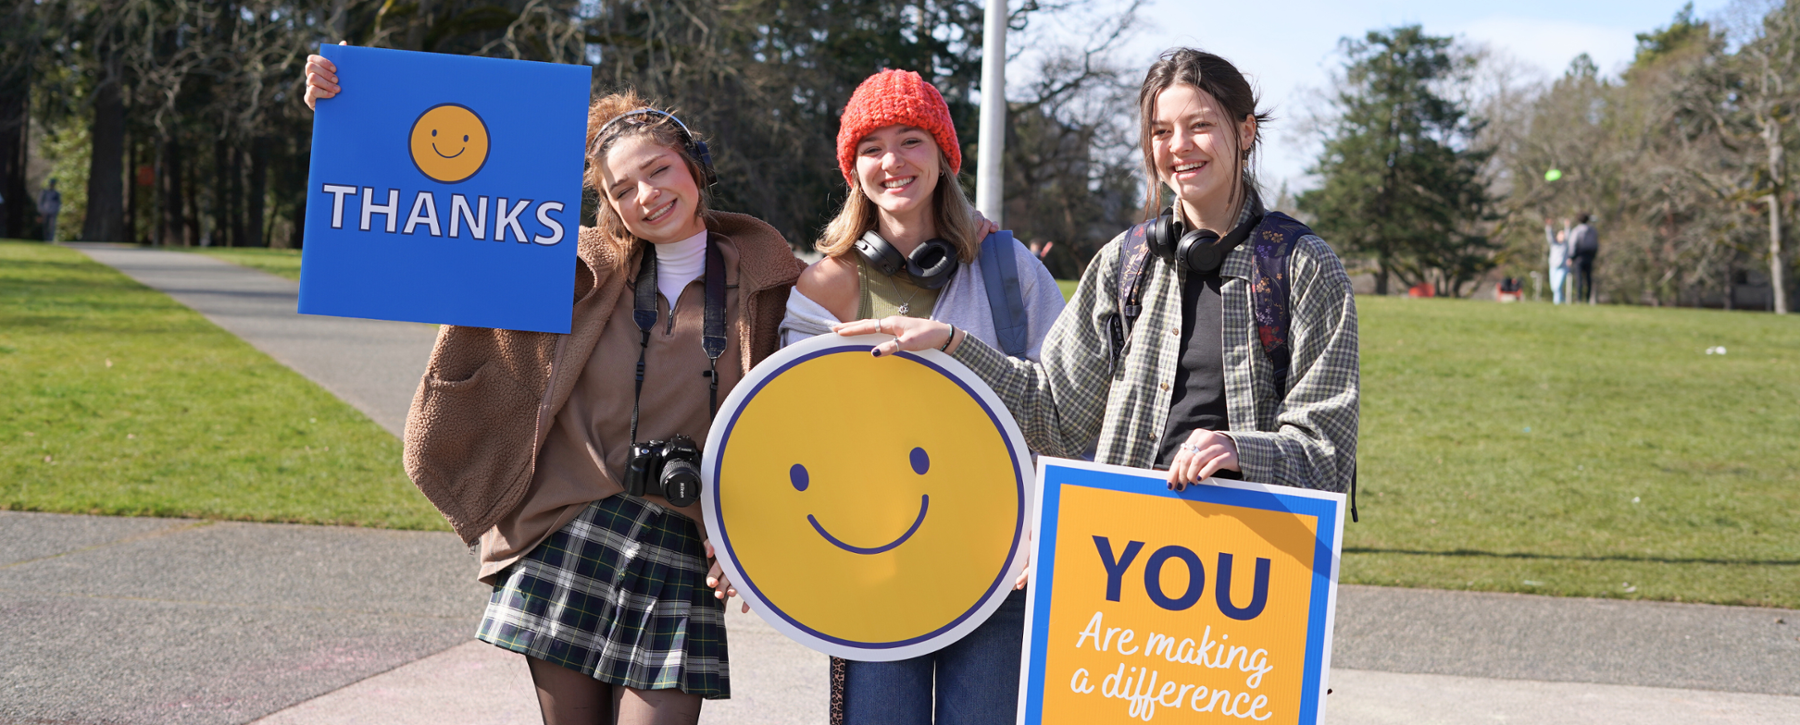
x: 1288, y: 46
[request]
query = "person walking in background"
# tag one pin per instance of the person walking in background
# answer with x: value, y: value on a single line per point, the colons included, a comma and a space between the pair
x: 1559, y: 262
x: 49, y: 205
x: 1584, y: 245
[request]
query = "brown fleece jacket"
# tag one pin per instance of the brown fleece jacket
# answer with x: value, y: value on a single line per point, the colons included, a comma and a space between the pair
x: 488, y: 397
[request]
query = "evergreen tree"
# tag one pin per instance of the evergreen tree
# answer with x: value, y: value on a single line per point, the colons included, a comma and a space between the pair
x: 1402, y: 181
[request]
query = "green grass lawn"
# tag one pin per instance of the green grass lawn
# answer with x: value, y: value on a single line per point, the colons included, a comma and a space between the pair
x: 1589, y: 451
x: 280, y: 262
x: 115, y: 399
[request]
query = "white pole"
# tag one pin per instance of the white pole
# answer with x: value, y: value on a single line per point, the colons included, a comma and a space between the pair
x: 988, y: 188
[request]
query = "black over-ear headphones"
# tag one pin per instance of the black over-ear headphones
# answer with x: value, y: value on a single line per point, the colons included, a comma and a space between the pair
x: 696, y: 148
x: 929, y: 266
x: 1199, y: 250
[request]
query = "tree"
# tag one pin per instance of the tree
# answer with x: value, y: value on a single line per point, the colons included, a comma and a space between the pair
x: 21, y: 42
x: 179, y: 121
x: 1072, y: 162
x: 1402, y: 179
x: 1771, y: 99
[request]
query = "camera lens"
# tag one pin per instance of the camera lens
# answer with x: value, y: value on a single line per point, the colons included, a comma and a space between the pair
x: 681, y: 482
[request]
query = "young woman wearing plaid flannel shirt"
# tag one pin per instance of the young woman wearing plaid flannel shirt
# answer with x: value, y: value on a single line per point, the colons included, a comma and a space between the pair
x: 1192, y: 391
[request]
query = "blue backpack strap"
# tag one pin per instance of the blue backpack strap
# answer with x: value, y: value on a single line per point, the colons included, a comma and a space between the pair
x: 1006, y: 297
x: 1134, y: 256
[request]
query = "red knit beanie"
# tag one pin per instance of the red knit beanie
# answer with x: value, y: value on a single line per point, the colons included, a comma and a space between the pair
x: 895, y: 97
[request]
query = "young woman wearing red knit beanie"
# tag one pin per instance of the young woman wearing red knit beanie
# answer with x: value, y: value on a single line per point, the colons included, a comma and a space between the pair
x: 905, y: 245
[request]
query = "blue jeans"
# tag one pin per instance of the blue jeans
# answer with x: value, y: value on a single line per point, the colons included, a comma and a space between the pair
x: 977, y: 679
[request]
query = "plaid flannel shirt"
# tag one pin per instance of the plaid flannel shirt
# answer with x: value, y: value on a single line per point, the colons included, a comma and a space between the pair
x: 1075, y: 397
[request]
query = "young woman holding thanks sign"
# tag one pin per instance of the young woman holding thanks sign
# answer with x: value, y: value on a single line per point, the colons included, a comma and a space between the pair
x: 908, y: 245
x: 565, y: 461
x: 1216, y: 339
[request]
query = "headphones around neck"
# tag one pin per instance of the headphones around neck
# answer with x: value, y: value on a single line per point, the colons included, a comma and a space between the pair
x: 929, y: 266
x: 1198, y: 250
x: 696, y: 148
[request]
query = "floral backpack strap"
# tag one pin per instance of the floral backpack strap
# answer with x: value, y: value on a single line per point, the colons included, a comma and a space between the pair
x: 1270, y: 290
x: 1273, y: 245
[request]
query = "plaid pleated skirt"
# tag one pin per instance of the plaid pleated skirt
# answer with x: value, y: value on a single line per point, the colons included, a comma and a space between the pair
x: 620, y: 594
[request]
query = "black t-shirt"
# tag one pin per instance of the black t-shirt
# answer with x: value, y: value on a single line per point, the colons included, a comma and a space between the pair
x: 1199, y: 390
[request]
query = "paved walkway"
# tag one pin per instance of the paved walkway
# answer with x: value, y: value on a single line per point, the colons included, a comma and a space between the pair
x: 374, y: 365
x: 118, y: 620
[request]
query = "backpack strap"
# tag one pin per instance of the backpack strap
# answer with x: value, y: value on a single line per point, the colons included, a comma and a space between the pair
x: 1006, y: 298
x: 1273, y: 246
x: 1134, y: 256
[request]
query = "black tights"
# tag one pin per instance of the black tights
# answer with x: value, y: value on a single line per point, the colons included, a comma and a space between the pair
x: 568, y: 697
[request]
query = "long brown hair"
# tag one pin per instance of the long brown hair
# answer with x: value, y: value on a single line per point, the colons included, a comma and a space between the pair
x: 661, y: 131
x: 950, y: 211
x: 1215, y: 77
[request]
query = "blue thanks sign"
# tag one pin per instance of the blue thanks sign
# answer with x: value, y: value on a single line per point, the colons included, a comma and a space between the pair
x: 445, y: 189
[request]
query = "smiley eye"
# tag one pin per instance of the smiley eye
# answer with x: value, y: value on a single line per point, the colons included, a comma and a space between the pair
x: 434, y: 133
x: 465, y: 137
x: 797, y: 475
x: 921, y: 462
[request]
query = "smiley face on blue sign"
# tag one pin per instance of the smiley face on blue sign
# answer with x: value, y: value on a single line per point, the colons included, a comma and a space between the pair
x: 446, y: 189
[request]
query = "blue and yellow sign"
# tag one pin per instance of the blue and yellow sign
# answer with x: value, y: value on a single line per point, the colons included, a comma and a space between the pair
x: 872, y: 509
x: 446, y: 189
x: 1213, y: 604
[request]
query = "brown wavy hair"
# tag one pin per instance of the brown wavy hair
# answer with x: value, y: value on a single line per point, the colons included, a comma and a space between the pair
x: 1215, y: 77
x: 661, y: 131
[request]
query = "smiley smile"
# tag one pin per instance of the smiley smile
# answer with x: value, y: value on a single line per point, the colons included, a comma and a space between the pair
x: 924, y: 503
x: 440, y: 153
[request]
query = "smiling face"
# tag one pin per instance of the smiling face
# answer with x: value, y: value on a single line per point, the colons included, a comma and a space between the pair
x: 891, y: 530
x: 449, y: 143
x: 1193, y: 146
x: 897, y: 167
x: 650, y: 188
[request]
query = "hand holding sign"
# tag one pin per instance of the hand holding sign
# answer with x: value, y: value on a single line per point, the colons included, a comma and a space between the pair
x: 321, y: 79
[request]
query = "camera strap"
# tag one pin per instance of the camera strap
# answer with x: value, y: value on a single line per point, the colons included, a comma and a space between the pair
x: 712, y: 334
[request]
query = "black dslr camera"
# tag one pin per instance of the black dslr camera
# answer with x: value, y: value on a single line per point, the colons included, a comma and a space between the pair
x: 668, y: 468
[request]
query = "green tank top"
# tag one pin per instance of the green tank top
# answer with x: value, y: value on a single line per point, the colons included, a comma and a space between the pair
x: 883, y: 296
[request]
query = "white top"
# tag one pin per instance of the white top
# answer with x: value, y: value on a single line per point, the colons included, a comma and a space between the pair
x: 1559, y: 251
x: 677, y: 264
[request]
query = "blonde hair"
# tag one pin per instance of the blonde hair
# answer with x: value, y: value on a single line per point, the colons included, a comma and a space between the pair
x: 951, y: 212
x: 660, y: 130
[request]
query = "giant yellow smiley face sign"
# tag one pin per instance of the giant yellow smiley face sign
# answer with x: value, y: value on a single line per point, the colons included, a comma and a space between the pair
x: 872, y: 509
x: 449, y: 143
